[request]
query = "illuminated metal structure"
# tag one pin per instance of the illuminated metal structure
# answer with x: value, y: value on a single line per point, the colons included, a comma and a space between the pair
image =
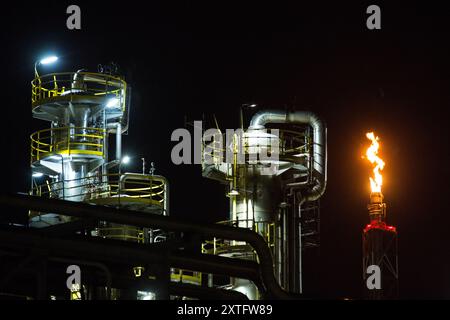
x: 71, y: 159
x: 84, y: 109
x: 380, y: 246
x: 275, y: 180
x: 83, y: 210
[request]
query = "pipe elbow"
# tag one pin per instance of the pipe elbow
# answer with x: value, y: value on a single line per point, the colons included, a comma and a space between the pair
x: 317, y: 191
x: 261, y: 118
x: 319, y: 144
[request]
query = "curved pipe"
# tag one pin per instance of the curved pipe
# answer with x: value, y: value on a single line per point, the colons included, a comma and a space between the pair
x: 128, y: 217
x: 261, y: 118
x: 204, y: 293
x: 116, y: 251
x: 102, y: 78
x: 78, y: 80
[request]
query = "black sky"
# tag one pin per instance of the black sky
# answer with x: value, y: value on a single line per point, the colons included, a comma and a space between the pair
x: 185, y: 59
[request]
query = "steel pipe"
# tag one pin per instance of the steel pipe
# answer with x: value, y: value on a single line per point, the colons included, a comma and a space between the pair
x: 115, y: 251
x: 261, y: 118
x: 82, y: 210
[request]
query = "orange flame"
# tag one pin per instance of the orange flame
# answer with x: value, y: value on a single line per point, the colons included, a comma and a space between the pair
x: 372, y: 155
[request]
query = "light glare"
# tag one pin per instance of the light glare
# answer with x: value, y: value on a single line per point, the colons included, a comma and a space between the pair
x: 49, y: 60
x: 113, y: 102
x: 126, y: 160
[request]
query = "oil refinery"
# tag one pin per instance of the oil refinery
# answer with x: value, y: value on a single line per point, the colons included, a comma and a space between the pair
x: 81, y: 197
x: 88, y: 215
x: 186, y: 153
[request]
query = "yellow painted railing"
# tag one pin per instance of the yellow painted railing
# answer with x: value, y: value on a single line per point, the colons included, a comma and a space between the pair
x: 53, y: 85
x: 67, y: 140
x: 126, y: 233
x: 176, y: 275
x: 288, y: 144
x: 151, y: 191
x: 186, y: 276
x: 221, y: 246
x: 104, y: 186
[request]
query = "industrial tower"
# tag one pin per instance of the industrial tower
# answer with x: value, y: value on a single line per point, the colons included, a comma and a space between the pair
x: 380, y: 258
x: 275, y: 175
x: 276, y: 197
x: 380, y: 248
x: 71, y: 159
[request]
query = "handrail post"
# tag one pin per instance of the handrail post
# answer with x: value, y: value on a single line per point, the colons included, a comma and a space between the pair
x: 68, y: 140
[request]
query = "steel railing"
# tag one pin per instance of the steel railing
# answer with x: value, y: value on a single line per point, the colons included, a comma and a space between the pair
x: 289, y: 144
x: 67, y: 140
x: 49, y: 86
x: 219, y: 246
x: 151, y: 190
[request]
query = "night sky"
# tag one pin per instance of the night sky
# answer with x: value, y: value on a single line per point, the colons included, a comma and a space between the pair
x: 195, y: 60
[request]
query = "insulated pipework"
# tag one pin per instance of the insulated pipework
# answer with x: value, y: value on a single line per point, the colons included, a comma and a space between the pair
x: 269, y: 201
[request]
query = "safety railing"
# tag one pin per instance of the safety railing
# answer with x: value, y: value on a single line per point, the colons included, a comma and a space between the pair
x: 289, y: 144
x: 176, y: 275
x: 185, y: 276
x: 239, y: 249
x: 126, y: 233
x: 150, y: 191
x: 53, y: 85
x: 67, y: 140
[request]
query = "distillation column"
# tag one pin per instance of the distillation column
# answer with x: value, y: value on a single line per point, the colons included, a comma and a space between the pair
x: 267, y: 166
x: 70, y: 160
x: 71, y: 156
